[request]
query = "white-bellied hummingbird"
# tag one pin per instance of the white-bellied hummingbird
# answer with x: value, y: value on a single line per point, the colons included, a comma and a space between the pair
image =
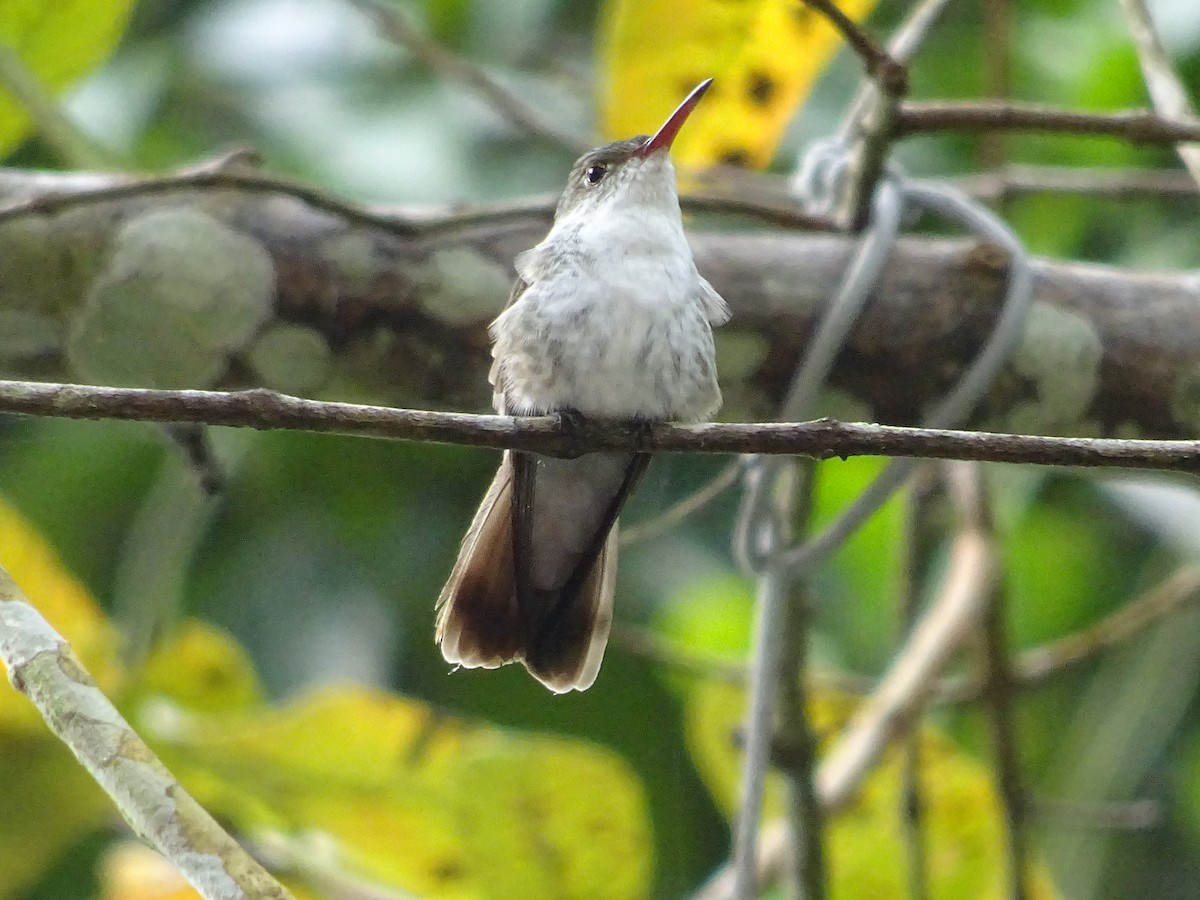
x: 608, y: 320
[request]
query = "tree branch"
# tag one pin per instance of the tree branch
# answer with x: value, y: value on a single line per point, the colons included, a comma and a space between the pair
x: 890, y: 710
x: 822, y: 438
x: 457, y: 70
x: 1002, y: 184
x: 1167, y: 93
x: 42, y: 666
x: 1133, y: 126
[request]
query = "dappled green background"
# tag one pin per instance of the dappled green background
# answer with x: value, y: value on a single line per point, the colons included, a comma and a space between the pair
x: 326, y: 554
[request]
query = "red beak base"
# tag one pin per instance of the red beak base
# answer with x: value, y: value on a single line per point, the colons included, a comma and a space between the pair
x: 665, y: 136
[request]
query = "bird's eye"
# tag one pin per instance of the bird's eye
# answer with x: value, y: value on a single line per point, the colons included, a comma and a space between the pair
x: 593, y: 174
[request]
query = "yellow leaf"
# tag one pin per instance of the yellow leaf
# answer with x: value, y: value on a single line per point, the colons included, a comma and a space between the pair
x: 58, y: 41
x: 65, y: 603
x: 764, y: 55
x: 530, y: 835
x: 394, y: 793
x: 340, y: 763
x: 201, y: 668
x: 135, y: 872
x: 964, y: 840
x: 132, y: 871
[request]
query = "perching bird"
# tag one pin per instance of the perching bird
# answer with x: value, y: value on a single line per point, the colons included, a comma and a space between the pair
x: 608, y: 320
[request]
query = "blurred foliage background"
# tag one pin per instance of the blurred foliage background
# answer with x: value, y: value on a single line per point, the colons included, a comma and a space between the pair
x: 325, y: 555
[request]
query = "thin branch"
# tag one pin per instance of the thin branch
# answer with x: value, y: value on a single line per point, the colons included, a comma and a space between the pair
x: 1039, y: 664
x: 1134, y: 815
x: 205, y: 177
x: 1133, y: 126
x: 890, y: 710
x: 1001, y: 185
x: 912, y: 32
x: 872, y: 116
x: 42, y: 666
x: 1030, y: 668
x: 1167, y: 93
x: 918, y: 540
x: 822, y: 438
x: 969, y: 493
x: 912, y: 676
x: 890, y: 74
x: 997, y: 74
x: 794, y: 734
x: 69, y: 142
x: 676, y: 513
x: 397, y: 27
x: 228, y: 172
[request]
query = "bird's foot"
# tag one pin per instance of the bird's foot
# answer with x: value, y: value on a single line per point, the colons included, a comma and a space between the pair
x: 572, y: 421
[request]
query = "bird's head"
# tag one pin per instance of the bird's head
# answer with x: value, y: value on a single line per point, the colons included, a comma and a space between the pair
x: 635, y: 171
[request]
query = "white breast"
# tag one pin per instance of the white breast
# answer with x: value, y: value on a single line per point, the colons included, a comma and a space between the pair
x: 613, y: 324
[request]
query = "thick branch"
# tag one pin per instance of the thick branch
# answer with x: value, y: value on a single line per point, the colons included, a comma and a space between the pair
x: 400, y: 303
x: 823, y: 438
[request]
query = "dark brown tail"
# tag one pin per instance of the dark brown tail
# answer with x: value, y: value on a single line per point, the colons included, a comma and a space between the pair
x: 480, y: 623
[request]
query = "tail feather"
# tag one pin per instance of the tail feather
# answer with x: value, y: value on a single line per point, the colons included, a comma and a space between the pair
x: 479, y: 624
x: 558, y: 634
x: 565, y: 653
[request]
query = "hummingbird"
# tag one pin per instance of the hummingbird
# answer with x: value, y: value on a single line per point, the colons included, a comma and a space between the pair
x: 608, y: 320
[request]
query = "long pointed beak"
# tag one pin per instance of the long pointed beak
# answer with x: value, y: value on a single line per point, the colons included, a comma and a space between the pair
x: 665, y: 136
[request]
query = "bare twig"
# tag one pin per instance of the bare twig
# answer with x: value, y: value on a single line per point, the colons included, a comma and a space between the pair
x: 969, y: 493
x: 918, y: 539
x: 997, y: 74
x: 223, y: 173
x: 1167, y: 93
x: 1133, y: 126
x: 1031, y: 667
x: 822, y: 438
x: 692, y: 503
x: 890, y: 74
x: 912, y: 676
x: 1121, y: 185
x: 914, y: 29
x: 206, y: 177
x: 1038, y: 664
x: 871, y: 119
x: 42, y: 666
x: 453, y: 68
x: 60, y: 132
x: 891, y: 709
x: 1134, y: 815
x: 795, y: 741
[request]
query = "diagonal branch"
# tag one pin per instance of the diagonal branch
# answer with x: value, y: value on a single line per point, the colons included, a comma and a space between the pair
x: 1167, y: 94
x: 42, y: 666
x: 396, y: 26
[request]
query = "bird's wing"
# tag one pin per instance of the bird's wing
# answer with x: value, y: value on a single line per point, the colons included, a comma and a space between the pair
x: 496, y: 372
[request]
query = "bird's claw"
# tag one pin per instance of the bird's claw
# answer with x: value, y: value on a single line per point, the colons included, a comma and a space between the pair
x: 572, y: 421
